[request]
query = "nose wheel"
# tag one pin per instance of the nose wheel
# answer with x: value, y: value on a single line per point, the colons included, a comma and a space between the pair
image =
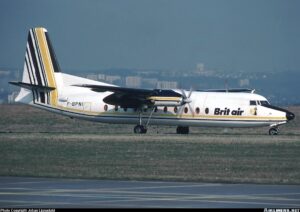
x: 273, y: 131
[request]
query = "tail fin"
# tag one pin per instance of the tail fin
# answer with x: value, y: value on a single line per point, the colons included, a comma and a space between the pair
x: 39, y: 83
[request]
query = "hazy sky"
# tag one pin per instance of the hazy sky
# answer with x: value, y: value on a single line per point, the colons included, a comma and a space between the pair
x: 229, y: 35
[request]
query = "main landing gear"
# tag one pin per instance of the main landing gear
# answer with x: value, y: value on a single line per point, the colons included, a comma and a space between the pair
x: 182, y: 130
x: 273, y: 131
x: 140, y: 128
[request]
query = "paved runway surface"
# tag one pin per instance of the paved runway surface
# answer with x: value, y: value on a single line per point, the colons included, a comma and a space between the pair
x: 23, y: 192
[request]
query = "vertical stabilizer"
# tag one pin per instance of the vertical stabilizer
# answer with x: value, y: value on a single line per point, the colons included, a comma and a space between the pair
x: 41, y: 71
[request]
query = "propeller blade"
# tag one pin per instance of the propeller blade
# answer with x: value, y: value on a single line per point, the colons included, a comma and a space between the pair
x: 191, y: 109
x: 191, y: 91
x: 183, y: 94
x: 186, y: 100
x: 180, y: 111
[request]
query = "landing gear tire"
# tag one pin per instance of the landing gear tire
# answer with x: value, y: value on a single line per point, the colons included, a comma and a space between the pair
x: 273, y: 131
x: 140, y: 129
x: 182, y: 130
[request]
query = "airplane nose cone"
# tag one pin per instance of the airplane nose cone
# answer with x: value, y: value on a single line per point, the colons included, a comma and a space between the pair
x: 290, y: 116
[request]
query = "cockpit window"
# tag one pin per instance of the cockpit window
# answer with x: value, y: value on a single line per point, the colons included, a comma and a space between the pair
x: 252, y: 102
x: 264, y: 103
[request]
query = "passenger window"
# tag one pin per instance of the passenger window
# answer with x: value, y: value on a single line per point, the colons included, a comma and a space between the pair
x: 175, y: 109
x: 165, y: 109
x: 186, y: 110
x: 206, y: 110
x: 105, y: 107
x: 252, y: 102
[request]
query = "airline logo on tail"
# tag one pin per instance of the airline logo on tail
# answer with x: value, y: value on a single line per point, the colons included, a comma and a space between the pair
x: 40, y: 66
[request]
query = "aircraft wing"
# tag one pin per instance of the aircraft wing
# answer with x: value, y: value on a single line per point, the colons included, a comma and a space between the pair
x: 104, y: 88
x: 134, y: 97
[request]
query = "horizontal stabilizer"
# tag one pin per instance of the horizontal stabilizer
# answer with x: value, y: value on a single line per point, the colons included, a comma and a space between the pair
x: 32, y: 87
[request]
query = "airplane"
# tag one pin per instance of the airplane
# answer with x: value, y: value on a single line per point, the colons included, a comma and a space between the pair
x: 44, y: 86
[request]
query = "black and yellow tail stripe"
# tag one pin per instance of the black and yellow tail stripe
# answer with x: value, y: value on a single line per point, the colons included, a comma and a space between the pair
x: 47, y: 63
x: 41, y: 64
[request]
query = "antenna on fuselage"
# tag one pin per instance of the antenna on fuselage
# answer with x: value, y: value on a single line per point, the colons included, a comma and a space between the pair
x: 226, y: 85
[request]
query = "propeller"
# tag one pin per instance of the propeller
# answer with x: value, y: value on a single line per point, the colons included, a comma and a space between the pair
x: 186, y: 100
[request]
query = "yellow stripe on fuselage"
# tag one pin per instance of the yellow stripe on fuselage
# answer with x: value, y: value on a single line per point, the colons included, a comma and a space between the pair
x: 173, y: 116
x: 47, y: 63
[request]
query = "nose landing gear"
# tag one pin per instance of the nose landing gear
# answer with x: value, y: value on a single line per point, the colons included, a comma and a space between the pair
x: 273, y: 131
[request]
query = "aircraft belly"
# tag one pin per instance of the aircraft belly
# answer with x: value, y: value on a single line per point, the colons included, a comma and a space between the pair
x: 211, y: 123
x: 183, y: 122
x: 160, y: 120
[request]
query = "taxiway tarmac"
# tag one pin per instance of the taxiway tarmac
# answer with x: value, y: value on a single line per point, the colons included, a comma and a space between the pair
x: 25, y: 192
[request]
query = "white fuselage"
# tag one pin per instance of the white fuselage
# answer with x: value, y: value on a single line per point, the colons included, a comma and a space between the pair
x: 211, y: 109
